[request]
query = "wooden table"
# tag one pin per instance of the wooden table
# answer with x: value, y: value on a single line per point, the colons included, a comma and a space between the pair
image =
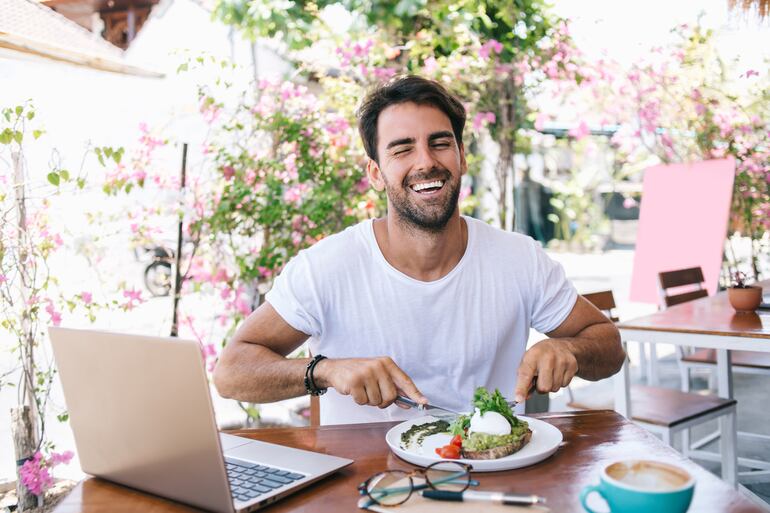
x: 591, y: 440
x: 709, y: 322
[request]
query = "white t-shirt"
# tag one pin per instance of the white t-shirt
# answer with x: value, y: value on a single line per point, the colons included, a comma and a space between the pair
x: 451, y: 335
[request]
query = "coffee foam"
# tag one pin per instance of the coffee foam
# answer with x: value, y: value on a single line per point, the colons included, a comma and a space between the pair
x: 648, y: 475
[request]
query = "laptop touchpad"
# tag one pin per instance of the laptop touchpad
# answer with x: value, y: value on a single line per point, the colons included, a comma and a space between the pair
x: 230, y: 441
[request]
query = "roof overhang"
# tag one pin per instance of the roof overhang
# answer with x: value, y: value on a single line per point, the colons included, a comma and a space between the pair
x: 48, y: 51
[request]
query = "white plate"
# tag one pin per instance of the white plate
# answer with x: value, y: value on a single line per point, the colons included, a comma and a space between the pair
x: 544, y: 442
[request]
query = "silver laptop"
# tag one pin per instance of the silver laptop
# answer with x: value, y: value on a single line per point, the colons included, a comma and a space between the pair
x: 142, y: 416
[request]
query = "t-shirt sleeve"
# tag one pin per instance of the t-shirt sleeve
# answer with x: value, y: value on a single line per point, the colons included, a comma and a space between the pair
x: 554, y: 295
x: 294, y: 297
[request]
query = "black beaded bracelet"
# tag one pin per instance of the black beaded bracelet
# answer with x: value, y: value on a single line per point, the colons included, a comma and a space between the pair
x: 310, y: 385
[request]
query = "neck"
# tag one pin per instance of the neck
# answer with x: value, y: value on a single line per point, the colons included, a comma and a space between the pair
x: 422, y: 255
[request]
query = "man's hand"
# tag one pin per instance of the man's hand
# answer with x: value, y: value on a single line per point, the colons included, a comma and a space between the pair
x: 371, y: 381
x: 551, y: 363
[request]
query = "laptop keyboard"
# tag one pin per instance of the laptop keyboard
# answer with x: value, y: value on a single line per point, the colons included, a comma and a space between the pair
x: 249, y: 480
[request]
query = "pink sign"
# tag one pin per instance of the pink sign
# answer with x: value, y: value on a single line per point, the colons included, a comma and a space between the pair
x: 682, y: 223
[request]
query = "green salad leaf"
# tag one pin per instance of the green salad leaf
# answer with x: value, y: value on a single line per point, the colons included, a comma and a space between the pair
x: 459, y: 425
x: 485, y: 402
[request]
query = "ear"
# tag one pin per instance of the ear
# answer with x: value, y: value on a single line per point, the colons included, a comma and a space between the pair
x: 463, y: 162
x: 374, y: 173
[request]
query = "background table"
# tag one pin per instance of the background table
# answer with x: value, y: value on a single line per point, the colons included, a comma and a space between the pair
x: 591, y: 440
x: 709, y: 322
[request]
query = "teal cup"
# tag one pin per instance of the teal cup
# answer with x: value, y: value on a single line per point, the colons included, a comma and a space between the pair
x: 642, y: 486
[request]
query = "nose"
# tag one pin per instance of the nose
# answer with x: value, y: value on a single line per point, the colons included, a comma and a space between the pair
x: 424, y: 158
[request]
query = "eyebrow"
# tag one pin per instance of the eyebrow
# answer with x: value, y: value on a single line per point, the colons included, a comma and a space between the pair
x: 410, y: 140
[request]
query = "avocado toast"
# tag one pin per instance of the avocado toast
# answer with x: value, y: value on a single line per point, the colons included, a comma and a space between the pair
x: 493, y: 431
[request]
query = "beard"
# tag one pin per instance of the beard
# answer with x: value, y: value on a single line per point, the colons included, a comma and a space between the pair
x: 425, y: 217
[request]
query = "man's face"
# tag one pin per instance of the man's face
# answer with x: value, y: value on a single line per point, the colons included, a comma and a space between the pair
x: 420, y: 164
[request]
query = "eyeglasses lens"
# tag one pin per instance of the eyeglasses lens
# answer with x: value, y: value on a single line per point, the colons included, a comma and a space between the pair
x: 390, y: 488
x: 448, y: 476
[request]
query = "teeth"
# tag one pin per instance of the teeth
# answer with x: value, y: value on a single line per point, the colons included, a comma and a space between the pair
x: 420, y: 186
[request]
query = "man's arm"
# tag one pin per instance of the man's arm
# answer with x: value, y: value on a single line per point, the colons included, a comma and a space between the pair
x: 586, y: 344
x: 253, y: 367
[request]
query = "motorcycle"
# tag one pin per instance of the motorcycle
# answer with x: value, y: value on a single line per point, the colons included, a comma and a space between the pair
x: 159, y: 272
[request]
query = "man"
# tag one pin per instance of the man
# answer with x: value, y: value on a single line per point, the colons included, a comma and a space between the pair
x: 424, y: 302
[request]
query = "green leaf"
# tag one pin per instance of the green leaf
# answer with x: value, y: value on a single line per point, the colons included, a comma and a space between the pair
x: 485, y: 402
x: 81, y: 182
x: 182, y: 67
x: 30, y: 115
x: 53, y: 177
x: 63, y: 417
x: 6, y: 136
x: 65, y: 175
x: 117, y: 155
x: 19, y: 110
x: 37, y: 133
x: 18, y: 136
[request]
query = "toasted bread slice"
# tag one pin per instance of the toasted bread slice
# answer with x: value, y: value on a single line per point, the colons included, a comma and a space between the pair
x: 499, y: 451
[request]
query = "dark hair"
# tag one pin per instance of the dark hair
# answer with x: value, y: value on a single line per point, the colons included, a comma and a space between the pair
x: 402, y: 89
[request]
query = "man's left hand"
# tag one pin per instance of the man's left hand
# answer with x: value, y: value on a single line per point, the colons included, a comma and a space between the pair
x: 551, y: 363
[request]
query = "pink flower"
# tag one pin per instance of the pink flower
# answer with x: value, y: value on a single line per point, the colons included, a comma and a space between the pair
x: 64, y: 458
x: 209, y: 350
x: 580, y: 131
x: 133, y: 294
x: 291, y: 168
x: 464, y: 193
x: 228, y: 172
x: 362, y: 50
x: 430, y: 65
x: 361, y: 187
x: 242, y: 306
x: 629, y: 202
x: 487, y: 48
x: 3, y: 278
x: 134, y: 298
x: 383, y: 73
x: 540, y: 121
x: 55, y: 316
x: 294, y: 193
x: 139, y: 175
x: 483, y: 119
x: 35, y: 472
x: 86, y: 297
x: 750, y: 73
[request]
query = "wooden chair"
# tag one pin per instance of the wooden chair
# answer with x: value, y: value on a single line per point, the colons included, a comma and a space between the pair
x: 665, y: 411
x: 747, y: 362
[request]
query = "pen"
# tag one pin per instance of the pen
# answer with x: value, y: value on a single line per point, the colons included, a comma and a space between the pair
x: 474, y: 495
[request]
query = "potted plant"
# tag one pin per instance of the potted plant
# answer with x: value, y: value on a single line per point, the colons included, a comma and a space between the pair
x: 743, y: 297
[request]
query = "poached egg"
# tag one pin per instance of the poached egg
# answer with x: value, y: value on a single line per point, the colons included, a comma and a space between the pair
x: 491, y: 423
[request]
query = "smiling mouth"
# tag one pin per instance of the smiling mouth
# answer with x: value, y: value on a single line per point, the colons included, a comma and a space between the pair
x: 428, y: 187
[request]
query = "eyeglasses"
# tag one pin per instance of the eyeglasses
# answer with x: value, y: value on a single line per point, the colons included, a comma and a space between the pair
x: 394, y: 487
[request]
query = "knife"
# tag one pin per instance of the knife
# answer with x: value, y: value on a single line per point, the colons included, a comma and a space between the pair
x: 426, y: 407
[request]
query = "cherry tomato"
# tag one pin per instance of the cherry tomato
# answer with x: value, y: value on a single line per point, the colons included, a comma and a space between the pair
x: 450, y: 452
x: 457, y: 440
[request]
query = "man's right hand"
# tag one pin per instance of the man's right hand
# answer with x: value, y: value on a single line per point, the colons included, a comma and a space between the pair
x: 370, y: 381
